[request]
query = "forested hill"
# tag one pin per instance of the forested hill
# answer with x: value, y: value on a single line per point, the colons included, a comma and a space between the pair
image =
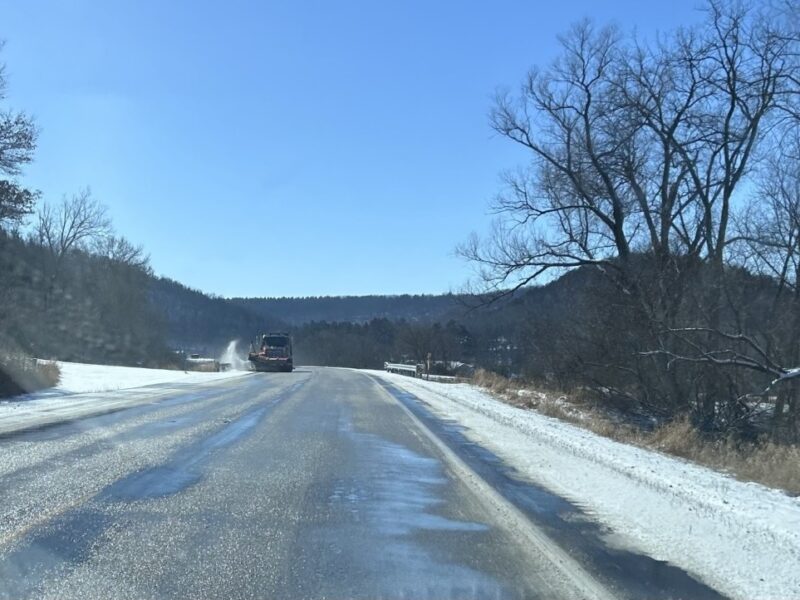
x: 357, y: 309
x: 202, y: 322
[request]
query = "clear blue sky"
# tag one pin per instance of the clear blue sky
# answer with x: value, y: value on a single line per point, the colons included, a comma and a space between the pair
x: 287, y: 148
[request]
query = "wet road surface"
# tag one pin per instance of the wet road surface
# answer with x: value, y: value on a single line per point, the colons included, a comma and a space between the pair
x: 323, y: 483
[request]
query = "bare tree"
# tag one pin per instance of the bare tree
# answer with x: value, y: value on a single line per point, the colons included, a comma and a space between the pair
x: 770, y: 236
x: 75, y: 223
x: 751, y: 72
x: 637, y: 154
x: 121, y: 251
x: 743, y: 64
x: 568, y: 208
x: 766, y: 242
x: 635, y: 148
x: 603, y: 188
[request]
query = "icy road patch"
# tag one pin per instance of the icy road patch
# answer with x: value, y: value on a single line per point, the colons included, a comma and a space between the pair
x: 741, y: 538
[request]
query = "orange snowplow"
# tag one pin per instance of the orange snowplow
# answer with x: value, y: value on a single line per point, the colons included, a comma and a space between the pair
x: 274, y: 353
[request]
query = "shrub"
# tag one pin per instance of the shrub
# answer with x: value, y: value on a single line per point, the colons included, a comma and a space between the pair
x: 20, y: 375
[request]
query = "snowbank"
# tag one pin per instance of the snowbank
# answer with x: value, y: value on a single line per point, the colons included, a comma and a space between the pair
x: 741, y: 538
x: 83, y: 378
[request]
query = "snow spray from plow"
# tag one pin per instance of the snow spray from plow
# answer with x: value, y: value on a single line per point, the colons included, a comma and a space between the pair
x: 231, y: 357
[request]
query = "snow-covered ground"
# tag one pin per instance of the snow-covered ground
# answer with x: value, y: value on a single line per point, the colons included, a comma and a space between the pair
x: 82, y: 378
x: 743, y: 539
x: 85, y: 390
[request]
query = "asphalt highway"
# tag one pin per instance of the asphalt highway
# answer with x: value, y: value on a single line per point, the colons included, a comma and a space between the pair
x: 322, y: 483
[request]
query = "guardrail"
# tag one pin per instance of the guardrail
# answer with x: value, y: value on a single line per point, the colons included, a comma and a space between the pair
x: 413, y: 370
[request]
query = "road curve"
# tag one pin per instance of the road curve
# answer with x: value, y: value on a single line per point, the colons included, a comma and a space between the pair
x: 322, y: 483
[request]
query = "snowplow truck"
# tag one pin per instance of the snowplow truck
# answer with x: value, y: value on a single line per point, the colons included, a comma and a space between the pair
x: 274, y: 353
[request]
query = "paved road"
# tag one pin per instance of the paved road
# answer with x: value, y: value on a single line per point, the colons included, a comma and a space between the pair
x: 322, y: 483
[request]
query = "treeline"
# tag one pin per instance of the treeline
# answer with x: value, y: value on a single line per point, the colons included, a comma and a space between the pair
x: 369, y: 345
x: 73, y: 289
x: 75, y: 292
x: 70, y: 286
x: 355, y: 309
x: 671, y: 171
x: 199, y: 322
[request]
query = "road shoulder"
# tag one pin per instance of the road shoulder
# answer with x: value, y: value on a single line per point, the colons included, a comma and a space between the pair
x: 740, y: 538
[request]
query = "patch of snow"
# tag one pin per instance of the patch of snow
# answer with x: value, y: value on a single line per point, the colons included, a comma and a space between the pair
x: 81, y: 378
x: 741, y: 538
x: 86, y: 390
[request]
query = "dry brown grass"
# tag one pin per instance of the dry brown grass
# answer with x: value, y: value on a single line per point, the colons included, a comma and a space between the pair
x: 491, y: 381
x: 774, y: 465
x: 48, y: 373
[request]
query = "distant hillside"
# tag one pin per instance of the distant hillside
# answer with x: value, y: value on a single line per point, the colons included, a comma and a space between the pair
x: 356, y: 309
x: 207, y: 323
x: 202, y: 322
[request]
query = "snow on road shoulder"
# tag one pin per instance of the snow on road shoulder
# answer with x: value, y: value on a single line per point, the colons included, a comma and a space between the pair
x: 741, y: 538
x: 82, y: 378
x: 86, y: 390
